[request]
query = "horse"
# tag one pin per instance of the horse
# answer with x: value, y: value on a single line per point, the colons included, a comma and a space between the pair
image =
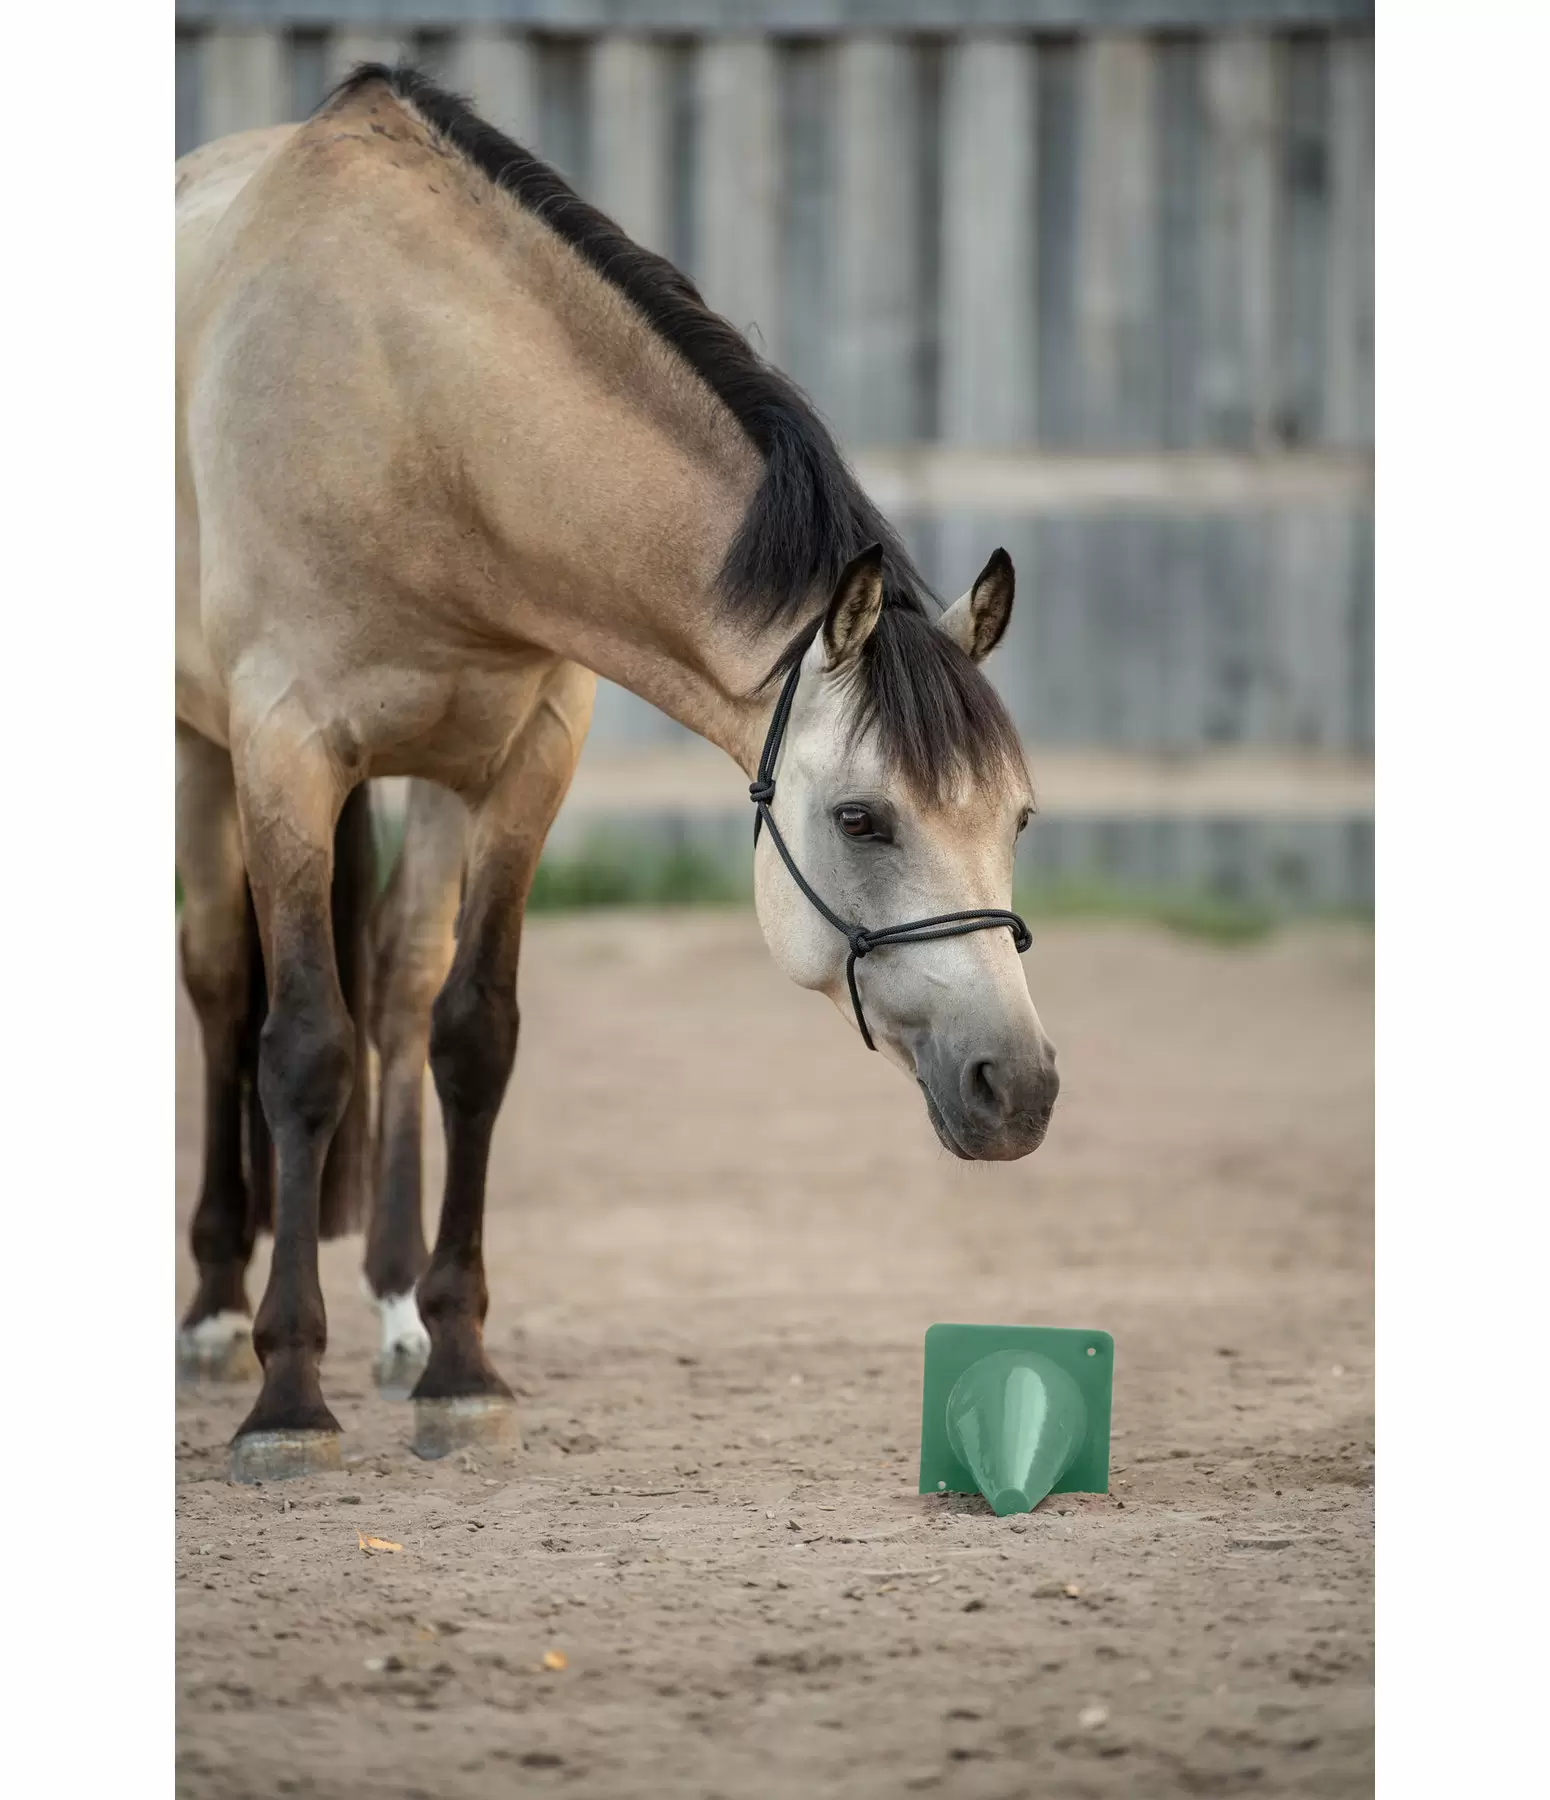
x: 450, y: 446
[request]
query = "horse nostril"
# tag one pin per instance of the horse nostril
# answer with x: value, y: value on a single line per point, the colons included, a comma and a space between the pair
x: 983, y: 1089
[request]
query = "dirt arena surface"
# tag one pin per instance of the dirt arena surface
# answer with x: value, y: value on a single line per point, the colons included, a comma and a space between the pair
x: 717, y: 1232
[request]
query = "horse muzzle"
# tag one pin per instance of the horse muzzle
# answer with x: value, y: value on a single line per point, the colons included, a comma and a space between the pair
x: 988, y: 1106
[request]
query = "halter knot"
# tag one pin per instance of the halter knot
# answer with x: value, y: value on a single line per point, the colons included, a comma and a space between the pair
x: 860, y: 943
x: 1022, y: 937
x: 761, y: 792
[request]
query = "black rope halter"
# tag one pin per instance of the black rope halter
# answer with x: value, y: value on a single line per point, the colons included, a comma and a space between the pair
x: 861, y: 941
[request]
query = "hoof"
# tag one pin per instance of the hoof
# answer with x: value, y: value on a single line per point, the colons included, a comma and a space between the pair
x: 281, y: 1455
x: 219, y: 1348
x: 478, y: 1420
x: 406, y: 1347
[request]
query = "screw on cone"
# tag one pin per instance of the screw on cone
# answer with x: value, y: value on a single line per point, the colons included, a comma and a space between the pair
x: 1017, y: 1422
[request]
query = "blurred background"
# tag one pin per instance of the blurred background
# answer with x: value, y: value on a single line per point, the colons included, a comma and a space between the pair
x: 1091, y: 279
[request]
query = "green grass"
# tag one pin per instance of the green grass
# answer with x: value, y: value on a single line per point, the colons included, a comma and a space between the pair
x: 613, y: 870
x: 608, y: 873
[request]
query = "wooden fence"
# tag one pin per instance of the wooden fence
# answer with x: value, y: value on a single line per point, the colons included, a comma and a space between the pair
x: 1088, y: 278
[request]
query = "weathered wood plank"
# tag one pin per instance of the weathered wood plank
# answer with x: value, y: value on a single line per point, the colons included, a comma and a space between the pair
x: 738, y: 181
x: 809, y: 238
x: 1348, y: 343
x: 189, y: 91
x: 310, y: 76
x: 1058, y: 157
x: 498, y: 71
x: 629, y: 107
x: 245, y: 82
x: 1180, y: 254
x: 1303, y: 242
x: 1309, y: 643
x: 989, y: 372
x: 564, y: 137
x: 1116, y: 307
x: 1237, y: 366
x: 874, y: 392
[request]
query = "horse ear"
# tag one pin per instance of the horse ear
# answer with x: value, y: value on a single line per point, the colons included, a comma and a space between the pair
x: 855, y: 609
x: 977, y: 622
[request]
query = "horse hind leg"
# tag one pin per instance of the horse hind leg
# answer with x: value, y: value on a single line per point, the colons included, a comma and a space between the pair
x: 218, y: 946
x: 413, y: 939
x: 347, y: 1171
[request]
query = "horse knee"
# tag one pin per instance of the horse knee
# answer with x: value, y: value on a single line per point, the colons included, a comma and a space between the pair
x: 473, y: 1045
x: 306, y: 1066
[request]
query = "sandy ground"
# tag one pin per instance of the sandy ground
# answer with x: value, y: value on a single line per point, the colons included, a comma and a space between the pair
x: 717, y: 1232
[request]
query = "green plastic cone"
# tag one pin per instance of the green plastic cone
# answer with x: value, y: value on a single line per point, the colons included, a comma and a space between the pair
x: 1016, y: 1421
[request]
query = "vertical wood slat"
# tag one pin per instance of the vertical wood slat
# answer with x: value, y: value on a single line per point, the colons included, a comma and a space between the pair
x: 245, y: 82
x: 1058, y: 155
x: 629, y: 104
x: 310, y: 74
x: 1348, y: 340
x: 1309, y: 614
x: 1237, y: 374
x: 989, y: 369
x: 738, y: 187
x: 1116, y: 306
x: 563, y: 136
x: 189, y: 91
x: 496, y: 69
x: 1303, y: 242
x: 1180, y: 264
x: 809, y: 228
x: 873, y: 389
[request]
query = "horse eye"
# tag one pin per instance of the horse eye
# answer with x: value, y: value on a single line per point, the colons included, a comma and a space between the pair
x: 856, y: 822
x: 1022, y: 820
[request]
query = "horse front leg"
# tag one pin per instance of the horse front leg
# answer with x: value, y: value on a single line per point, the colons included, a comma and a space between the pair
x: 290, y: 794
x: 414, y: 935
x: 461, y: 1399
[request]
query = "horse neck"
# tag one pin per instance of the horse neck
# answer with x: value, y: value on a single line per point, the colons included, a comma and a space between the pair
x: 613, y: 539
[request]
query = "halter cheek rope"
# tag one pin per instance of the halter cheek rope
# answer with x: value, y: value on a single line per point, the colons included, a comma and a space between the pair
x: 861, y: 941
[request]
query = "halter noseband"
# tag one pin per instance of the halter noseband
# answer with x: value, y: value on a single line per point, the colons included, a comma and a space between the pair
x: 861, y: 941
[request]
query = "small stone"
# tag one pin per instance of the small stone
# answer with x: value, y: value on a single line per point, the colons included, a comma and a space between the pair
x: 1091, y: 1717
x: 974, y: 1606
x: 349, y: 1499
x: 1072, y: 1591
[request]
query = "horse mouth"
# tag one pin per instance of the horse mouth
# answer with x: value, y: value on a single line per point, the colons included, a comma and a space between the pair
x: 939, y: 1126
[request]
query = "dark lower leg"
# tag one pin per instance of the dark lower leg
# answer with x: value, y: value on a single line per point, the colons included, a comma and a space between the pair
x: 306, y: 1064
x: 473, y: 1047
x: 223, y: 1228
x: 347, y: 1169
x: 395, y: 1240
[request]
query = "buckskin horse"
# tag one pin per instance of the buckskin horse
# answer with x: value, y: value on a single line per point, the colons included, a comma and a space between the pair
x: 450, y: 446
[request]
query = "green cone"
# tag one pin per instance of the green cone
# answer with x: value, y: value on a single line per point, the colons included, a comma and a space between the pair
x: 1016, y: 1422
x: 1015, y: 1412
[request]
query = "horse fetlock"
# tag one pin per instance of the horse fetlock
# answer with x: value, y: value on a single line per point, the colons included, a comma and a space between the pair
x: 458, y: 1366
x: 405, y: 1345
x: 217, y: 1346
x: 292, y: 1395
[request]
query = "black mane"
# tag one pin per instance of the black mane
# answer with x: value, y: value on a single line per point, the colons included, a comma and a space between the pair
x: 931, y: 710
